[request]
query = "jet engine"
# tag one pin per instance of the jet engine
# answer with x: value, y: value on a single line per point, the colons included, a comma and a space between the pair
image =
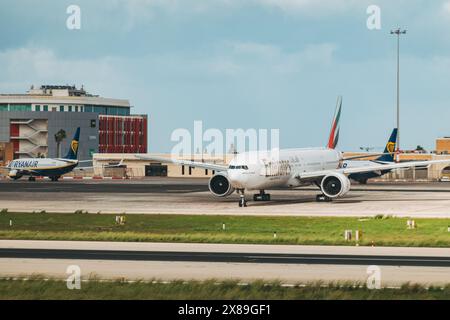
x: 14, y: 174
x: 220, y: 186
x: 335, y: 185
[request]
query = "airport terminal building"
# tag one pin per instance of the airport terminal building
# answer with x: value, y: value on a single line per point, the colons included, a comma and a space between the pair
x: 29, y: 122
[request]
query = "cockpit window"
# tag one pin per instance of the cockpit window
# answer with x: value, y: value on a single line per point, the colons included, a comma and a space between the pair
x: 238, y: 167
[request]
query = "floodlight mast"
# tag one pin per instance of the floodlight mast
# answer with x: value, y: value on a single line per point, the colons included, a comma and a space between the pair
x: 398, y: 32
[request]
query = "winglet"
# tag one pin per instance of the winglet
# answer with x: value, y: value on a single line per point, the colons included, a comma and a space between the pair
x: 335, y: 126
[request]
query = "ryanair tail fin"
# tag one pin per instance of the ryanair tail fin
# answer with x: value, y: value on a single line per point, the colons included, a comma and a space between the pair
x: 73, y: 151
x: 389, y: 151
x: 335, y: 126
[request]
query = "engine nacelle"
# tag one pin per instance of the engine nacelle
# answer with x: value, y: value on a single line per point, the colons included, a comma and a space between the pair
x: 335, y: 185
x: 220, y: 186
x: 14, y: 174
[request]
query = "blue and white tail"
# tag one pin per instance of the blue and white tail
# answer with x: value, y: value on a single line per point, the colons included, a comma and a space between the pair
x: 389, y: 150
x: 73, y: 151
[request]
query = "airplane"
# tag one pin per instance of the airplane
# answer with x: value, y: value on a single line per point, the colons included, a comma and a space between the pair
x: 387, y: 157
x: 53, y: 168
x: 288, y: 168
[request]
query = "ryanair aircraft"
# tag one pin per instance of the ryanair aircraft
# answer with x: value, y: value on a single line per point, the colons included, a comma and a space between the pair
x: 387, y: 157
x: 46, y: 167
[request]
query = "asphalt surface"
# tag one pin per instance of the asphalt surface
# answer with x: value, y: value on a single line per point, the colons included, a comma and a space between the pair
x: 183, y: 185
x: 265, y: 258
x: 152, y: 186
x: 191, y: 196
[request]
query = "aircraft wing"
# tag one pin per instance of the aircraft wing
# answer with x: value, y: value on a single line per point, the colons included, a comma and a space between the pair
x: 375, y: 167
x: 118, y: 165
x: 194, y: 164
x: 368, y: 155
x: 82, y: 168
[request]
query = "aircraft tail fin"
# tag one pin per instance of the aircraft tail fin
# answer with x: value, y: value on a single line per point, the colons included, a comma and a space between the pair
x: 73, y: 151
x: 389, y: 151
x: 335, y: 126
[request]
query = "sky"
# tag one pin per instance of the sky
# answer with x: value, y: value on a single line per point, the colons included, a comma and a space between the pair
x: 262, y: 64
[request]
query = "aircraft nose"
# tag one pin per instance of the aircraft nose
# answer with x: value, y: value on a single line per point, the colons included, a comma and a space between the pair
x: 237, y: 179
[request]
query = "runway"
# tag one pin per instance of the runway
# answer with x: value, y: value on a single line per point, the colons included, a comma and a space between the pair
x: 255, y: 257
x: 191, y: 196
x: 166, y: 261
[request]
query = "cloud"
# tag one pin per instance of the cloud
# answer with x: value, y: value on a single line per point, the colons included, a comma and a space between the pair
x: 250, y: 58
x: 29, y: 65
x: 446, y: 7
x: 139, y: 11
x: 310, y: 6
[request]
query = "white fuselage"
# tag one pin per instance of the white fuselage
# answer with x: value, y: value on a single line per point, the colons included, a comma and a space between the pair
x: 279, y: 168
x: 40, y: 166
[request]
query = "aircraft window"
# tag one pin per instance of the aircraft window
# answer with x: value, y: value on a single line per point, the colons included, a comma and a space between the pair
x: 238, y: 167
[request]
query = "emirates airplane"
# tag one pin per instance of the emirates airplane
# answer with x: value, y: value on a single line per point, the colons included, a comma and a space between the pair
x: 289, y: 168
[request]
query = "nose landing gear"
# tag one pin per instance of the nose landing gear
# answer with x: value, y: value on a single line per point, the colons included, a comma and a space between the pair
x: 242, y: 201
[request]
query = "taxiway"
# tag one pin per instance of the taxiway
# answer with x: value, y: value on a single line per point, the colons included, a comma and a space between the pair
x: 191, y: 196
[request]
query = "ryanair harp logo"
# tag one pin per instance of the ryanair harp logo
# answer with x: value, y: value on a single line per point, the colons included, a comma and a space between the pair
x: 390, y: 147
x: 74, y: 146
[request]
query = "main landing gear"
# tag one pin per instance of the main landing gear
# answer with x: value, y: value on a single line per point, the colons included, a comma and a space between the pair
x: 262, y: 196
x: 362, y: 181
x: 323, y: 198
x: 55, y: 178
x: 31, y: 179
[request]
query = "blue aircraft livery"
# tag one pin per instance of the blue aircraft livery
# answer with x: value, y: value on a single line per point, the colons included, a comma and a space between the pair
x: 387, y: 157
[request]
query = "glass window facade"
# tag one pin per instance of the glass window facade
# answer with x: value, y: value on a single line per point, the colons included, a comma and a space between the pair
x: 99, y: 109
x: 3, y: 107
x: 45, y: 108
x: 107, y: 110
x: 20, y: 107
x: 37, y: 108
x: 61, y: 108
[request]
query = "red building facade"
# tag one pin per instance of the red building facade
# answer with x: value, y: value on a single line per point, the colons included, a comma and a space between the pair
x: 122, y: 134
x: 14, y: 132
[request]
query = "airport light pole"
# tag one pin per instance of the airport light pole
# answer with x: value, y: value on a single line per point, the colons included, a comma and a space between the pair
x: 398, y: 32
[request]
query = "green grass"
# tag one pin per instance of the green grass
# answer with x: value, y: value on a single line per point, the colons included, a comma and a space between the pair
x: 208, y: 290
x: 208, y: 229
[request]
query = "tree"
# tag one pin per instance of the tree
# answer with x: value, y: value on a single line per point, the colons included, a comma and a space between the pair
x: 420, y: 149
x: 59, y: 137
